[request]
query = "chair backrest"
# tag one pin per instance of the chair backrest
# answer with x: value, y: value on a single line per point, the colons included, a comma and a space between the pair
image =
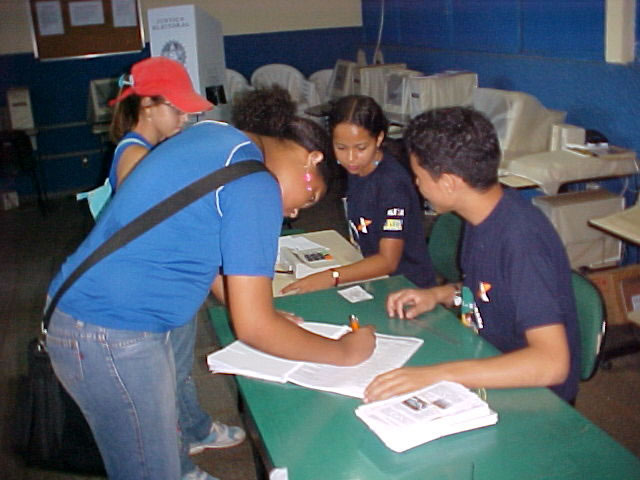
x: 234, y: 84
x: 591, y: 323
x: 302, y: 91
x: 443, y: 246
x: 321, y: 80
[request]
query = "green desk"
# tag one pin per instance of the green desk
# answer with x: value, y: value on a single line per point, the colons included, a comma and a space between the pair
x: 316, y: 435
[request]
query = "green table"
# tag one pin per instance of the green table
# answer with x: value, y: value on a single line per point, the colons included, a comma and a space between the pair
x: 316, y: 435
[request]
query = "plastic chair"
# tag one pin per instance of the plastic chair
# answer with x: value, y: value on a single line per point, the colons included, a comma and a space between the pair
x: 302, y: 91
x: 321, y: 80
x: 591, y: 323
x: 235, y: 84
x: 443, y: 244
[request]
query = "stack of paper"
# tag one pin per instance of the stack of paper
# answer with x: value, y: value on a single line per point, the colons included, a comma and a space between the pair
x: 390, y: 352
x: 409, y: 420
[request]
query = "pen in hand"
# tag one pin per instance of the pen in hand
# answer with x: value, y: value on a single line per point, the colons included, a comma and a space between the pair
x: 354, y: 323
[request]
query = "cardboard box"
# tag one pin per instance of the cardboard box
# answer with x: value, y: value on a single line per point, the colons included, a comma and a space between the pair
x: 620, y: 289
x: 570, y: 213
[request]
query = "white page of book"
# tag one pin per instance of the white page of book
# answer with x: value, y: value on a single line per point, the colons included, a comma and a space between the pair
x: 414, y: 418
x: 391, y: 352
x: 241, y: 359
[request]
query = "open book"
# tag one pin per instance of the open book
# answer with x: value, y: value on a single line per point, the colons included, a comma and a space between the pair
x: 390, y: 352
x: 409, y: 420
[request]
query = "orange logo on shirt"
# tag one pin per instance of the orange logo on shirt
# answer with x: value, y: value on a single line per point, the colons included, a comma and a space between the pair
x: 483, y: 289
x: 364, y: 223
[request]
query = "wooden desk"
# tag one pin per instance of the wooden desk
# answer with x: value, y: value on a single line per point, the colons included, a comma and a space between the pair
x: 317, y: 435
x: 340, y: 248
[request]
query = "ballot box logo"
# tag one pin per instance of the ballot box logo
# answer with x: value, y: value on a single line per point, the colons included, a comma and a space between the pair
x: 175, y: 51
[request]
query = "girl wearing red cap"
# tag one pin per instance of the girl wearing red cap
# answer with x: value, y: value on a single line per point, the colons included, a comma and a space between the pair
x: 154, y: 102
x: 153, y: 105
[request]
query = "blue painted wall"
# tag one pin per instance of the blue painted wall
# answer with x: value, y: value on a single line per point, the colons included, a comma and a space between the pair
x: 59, y: 90
x: 552, y: 49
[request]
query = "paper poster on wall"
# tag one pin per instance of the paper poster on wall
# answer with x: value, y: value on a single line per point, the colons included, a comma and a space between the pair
x: 86, y: 13
x: 124, y: 13
x: 49, y: 18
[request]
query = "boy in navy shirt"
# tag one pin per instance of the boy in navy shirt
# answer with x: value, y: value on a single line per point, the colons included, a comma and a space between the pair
x: 517, y: 278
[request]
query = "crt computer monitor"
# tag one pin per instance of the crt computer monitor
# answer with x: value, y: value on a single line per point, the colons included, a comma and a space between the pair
x: 343, y: 80
x: 396, y: 95
x: 101, y: 90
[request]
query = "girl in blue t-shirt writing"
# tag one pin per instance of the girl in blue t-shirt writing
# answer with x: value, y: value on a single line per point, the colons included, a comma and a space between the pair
x: 109, y: 339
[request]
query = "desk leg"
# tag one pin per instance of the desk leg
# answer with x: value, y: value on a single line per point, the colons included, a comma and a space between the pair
x: 261, y: 458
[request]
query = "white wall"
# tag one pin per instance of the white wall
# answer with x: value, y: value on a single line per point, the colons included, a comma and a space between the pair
x: 237, y: 17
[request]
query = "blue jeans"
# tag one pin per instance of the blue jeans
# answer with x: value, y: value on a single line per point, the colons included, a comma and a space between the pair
x: 124, y: 383
x: 194, y: 423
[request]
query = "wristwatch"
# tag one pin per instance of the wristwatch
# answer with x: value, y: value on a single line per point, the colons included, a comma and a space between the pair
x: 335, y: 274
x: 457, y: 297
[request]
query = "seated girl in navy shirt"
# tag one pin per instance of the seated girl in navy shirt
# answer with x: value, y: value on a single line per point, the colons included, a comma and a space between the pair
x: 383, y: 207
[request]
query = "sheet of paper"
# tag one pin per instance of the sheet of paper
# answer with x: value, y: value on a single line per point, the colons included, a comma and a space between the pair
x: 87, y: 12
x: 124, y: 13
x: 391, y: 352
x: 49, y: 15
x: 241, y: 359
x: 297, y: 242
x: 355, y: 294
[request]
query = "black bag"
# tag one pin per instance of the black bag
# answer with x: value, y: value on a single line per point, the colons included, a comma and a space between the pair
x: 51, y: 430
x: 52, y: 433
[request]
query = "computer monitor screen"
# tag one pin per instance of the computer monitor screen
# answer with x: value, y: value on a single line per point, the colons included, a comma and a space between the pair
x: 342, y: 79
x: 101, y: 90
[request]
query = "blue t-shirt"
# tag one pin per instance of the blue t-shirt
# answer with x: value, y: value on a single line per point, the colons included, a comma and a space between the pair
x: 129, y: 139
x: 515, y: 265
x: 159, y: 280
x: 385, y: 204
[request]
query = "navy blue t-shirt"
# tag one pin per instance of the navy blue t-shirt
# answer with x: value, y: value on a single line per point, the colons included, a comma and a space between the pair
x: 517, y: 268
x: 385, y: 204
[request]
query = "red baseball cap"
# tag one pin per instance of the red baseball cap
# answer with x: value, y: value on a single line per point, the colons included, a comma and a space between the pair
x: 167, y: 78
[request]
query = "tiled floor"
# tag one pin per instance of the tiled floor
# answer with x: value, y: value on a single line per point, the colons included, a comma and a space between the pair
x: 31, y: 249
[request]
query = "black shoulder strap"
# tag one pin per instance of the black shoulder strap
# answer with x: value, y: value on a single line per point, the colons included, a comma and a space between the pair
x: 153, y: 217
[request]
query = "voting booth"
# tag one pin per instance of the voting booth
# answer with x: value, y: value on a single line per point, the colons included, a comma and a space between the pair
x: 570, y: 214
x: 191, y: 36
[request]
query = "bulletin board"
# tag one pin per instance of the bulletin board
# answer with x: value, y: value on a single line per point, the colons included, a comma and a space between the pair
x: 85, y: 28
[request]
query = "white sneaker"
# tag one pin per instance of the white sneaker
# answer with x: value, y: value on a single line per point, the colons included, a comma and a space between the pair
x: 198, y: 474
x: 220, y: 436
